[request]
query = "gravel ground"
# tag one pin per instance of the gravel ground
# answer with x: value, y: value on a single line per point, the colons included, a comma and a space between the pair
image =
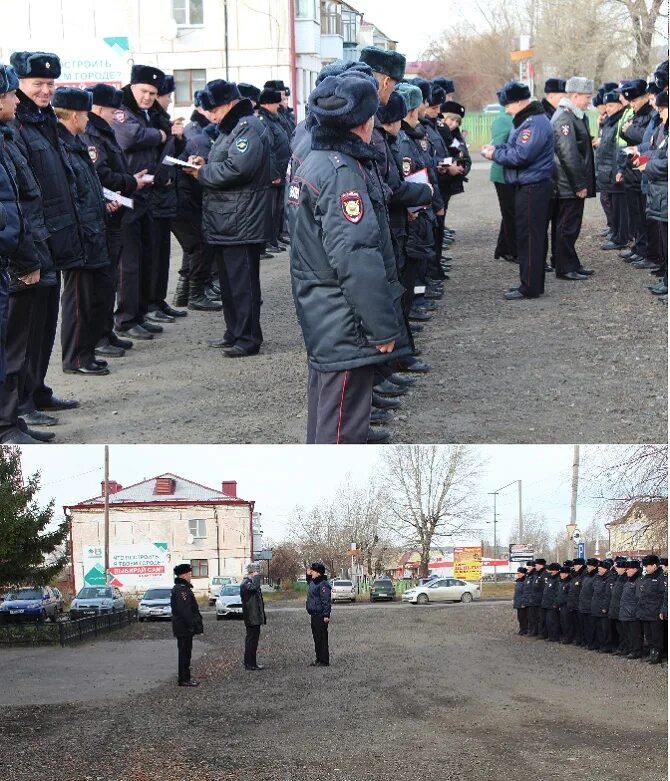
x: 586, y: 363
x: 439, y: 692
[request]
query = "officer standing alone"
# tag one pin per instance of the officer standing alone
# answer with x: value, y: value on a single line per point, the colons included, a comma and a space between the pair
x: 186, y: 621
x: 318, y: 607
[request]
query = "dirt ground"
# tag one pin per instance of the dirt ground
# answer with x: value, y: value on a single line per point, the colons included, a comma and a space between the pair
x: 586, y: 363
x: 448, y: 692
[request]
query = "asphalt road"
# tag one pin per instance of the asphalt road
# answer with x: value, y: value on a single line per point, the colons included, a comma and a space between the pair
x: 586, y: 363
x: 449, y: 693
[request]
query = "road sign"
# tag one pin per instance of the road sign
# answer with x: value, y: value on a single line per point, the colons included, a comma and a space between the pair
x: 263, y: 555
x: 521, y: 552
x: 576, y: 535
x: 581, y: 550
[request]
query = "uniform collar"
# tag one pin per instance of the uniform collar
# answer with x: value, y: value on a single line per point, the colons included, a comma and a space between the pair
x: 567, y: 103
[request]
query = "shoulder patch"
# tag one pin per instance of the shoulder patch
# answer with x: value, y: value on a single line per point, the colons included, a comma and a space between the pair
x: 565, y: 130
x: 406, y: 166
x: 119, y: 116
x: 525, y: 135
x: 352, y: 206
x: 424, y: 144
x: 242, y: 144
x: 294, y: 193
x: 93, y: 153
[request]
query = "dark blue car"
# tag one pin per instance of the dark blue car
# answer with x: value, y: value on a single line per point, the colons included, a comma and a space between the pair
x: 31, y: 604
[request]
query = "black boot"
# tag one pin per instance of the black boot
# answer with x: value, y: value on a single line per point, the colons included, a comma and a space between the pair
x: 200, y: 302
x: 181, y: 292
x: 655, y: 657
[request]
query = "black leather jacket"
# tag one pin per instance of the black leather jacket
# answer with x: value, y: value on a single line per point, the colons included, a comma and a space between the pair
x: 573, y: 155
x: 186, y: 618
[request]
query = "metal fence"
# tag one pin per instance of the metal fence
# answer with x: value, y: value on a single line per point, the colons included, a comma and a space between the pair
x: 65, y: 632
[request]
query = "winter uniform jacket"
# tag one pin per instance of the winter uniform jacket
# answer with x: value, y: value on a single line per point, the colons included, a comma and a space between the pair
x: 318, y: 597
x: 549, y: 110
x: 550, y: 592
x: 186, y: 618
x: 38, y: 130
x: 575, y: 590
x: 189, y: 191
x: 301, y: 145
x: 656, y: 176
x: 343, y: 268
x: 633, y: 136
x: 650, y: 596
x: 629, y: 599
x: 528, y: 155
x: 539, y: 582
x: 162, y: 193
x: 500, y: 130
x: 563, y: 591
x: 600, y: 599
x: 253, y: 607
x: 425, y: 154
x: 586, y: 594
x: 528, y: 584
x: 574, y: 165
x: 236, y: 181
x: 280, y: 147
x: 287, y: 118
x: 615, y: 599
x: 12, y: 224
x: 198, y: 122
x: 607, y: 155
x: 517, y: 602
x: 457, y: 149
x: 32, y: 252
x: 664, y: 606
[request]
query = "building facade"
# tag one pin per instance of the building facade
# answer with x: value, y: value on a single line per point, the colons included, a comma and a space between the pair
x: 196, y: 40
x: 641, y: 530
x: 156, y: 524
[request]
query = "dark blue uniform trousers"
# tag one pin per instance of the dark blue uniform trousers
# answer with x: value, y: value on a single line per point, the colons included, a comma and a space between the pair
x: 338, y: 406
x: 531, y: 209
x: 239, y: 277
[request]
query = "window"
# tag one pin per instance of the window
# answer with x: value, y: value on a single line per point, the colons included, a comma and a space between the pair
x: 186, y: 83
x: 305, y: 9
x: 331, y: 17
x: 350, y: 27
x: 200, y: 568
x: 198, y: 528
x: 188, y: 13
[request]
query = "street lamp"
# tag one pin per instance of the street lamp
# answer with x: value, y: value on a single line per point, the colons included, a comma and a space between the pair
x: 495, y: 522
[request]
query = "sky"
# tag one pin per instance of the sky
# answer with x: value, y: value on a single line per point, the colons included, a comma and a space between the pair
x: 280, y: 477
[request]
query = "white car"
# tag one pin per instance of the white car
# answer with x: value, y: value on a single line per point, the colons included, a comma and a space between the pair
x: 342, y: 590
x: 155, y: 604
x: 229, y: 602
x: 491, y: 108
x: 442, y: 590
x: 215, y: 585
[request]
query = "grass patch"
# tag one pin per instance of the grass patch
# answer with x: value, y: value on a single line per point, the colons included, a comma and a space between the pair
x: 504, y: 590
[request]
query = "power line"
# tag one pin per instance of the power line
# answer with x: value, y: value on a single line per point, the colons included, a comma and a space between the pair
x: 71, y: 477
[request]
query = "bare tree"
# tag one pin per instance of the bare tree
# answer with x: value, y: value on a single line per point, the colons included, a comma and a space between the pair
x: 430, y: 492
x: 645, y: 18
x: 286, y: 562
x: 537, y: 534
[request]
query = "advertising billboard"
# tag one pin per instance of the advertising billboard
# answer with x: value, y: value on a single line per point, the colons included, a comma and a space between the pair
x: 468, y: 563
x: 132, y: 567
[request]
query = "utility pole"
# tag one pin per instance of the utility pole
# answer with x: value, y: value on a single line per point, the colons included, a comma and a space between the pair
x: 575, y: 484
x: 495, y: 539
x: 106, y: 495
x: 520, y: 514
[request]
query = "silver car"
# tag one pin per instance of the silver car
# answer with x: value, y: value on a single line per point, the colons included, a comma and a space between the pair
x: 155, y: 604
x: 442, y: 590
x: 229, y: 602
x: 95, y: 601
x: 342, y: 590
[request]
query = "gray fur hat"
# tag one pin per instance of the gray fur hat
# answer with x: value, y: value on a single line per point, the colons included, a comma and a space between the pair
x: 580, y: 84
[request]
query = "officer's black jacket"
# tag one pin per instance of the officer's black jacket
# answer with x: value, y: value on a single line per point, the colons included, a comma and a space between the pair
x: 456, y: 148
x: 527, y: 595
x: 343, y: 267
x: 424, y: 152
x: 38, y: 130
x: 615, y: 599
x: 236, y: 181
x: 253, y: 608
x: 287, y: 118
x: 552, y: 586
x: 549, y: 110
x: 198, y: 122
x: 280, y: 148
x: 664, y: 606
x: 573, y: 154
x: 90, y: 203
x: 318, y: 597
x: 186, y: 618
x: 600, y: 599
x: 518, y: 593
x: 189, y: 191
x: 650, y: 596
x: 539, y: 582
x: 12, y: 224
x: 629, y: 598
x: 575, y: 590
x: 33, y: 251
x: 607, y: 155
x: 656, y: 174
x: 163, y: 192
x: 586, y: 594
x: 633, y: 135
x: 438, y: 147
x: 563, y: 591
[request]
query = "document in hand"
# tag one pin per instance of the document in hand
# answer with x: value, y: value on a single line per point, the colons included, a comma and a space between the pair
x: 112, y: 196
x: 167, y: 160
x: 420, y: 177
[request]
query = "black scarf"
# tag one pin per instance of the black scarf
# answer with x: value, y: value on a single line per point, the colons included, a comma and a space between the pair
x: 534, y: 107
x: 341, y: 140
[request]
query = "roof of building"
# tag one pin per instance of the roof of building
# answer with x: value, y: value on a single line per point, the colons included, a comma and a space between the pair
x: 180, y: 491
x: 653, y: 509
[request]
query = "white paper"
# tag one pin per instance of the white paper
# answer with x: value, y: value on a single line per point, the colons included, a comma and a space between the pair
x: 148, y: 178
x: 418, y: 176
x: 168, y: 160
x: 112, y: 196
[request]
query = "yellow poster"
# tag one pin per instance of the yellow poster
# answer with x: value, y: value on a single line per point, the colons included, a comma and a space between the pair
x: 468, y: 563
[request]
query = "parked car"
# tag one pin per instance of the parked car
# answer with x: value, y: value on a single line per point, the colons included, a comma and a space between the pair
x: 215, y: 585
x: 382, y: 588
x: 429, y: 579
x: 95, y: 601
x: 155, y: 604
x: 229, y: 602
x: 59, y: 599
x: 342, y: 590
x: 33, y: 603
x: 442, y: 590
x: 491, y: 108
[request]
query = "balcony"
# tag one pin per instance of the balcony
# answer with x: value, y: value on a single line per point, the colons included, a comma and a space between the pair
x: 307, y: 39
x: 332, y: 47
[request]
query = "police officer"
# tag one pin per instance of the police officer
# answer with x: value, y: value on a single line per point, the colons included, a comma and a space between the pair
x: 574, y: 593
x: 198, y: 120
x: 186, y: 621
x: 540, y: 581
x: 253, y: 613
x: 112, y: 169
x: 318, y: 607
x: 30, y: 266
x: 618, y: 640
x: 550, y: 603
x: 87, y: 281
x: 567, y: 630
x: 585, y: 599
x: 528, y: 160
x: 343, y: 266
x: 574, y: 176
x: 600, y: 603
x: 36, y: 130
x: 526, y: 599
x: 650, y: 606
x: 506, y: 245
x: 554, y: 92
x: 664, y: 610
x: 656, y: 175
x: 607, y: 167
x: 237, y: 211
x: 517, y: 603
x: 630, y: 623
x: 142, y: 144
